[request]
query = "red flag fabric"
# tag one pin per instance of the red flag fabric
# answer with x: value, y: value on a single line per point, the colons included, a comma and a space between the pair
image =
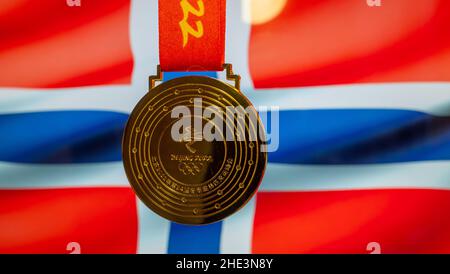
x: 47, y: 44
x: 100, y: 220
x: 399, y: 220
x: 327, y: 42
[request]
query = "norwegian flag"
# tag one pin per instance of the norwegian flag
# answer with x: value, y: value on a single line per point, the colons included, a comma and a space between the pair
x: 363, y: 162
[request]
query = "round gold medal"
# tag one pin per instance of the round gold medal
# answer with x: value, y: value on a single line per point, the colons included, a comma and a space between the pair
x: 190, y: 151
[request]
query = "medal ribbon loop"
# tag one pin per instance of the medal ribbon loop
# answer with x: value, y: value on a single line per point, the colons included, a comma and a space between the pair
x: 191, y: 35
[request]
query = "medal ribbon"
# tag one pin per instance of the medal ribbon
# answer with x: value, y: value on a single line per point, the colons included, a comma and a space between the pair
x: 191, y: 34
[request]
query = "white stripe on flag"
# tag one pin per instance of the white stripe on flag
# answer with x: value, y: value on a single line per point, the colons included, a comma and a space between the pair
x: 108, y: 98
x: 278, y: 177
x: 144, y: 43
x: 433, y: 98
x: 425, y: 175
x: 425, y: 97
x: 237, y: 44
x: 153, y: 231
x: 24, y: 176
x: 236, y: 236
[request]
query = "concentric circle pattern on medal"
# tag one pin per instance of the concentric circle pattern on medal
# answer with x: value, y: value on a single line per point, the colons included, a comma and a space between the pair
x: 193, y: 179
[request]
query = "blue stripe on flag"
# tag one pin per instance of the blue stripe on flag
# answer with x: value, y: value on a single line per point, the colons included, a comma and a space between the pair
x: 185, y: 239
x: 61, y: 136
x: 353, y: 136
x: 193, y: 239
x: 361, y: 136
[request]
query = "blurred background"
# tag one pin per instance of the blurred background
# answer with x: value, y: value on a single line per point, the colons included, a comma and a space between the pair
x: 362, y: 166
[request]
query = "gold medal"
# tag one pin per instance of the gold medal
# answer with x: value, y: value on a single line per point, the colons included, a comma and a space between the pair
x: 178, y: 153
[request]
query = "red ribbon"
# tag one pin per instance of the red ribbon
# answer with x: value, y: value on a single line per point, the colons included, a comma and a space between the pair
x: 191, y: 34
